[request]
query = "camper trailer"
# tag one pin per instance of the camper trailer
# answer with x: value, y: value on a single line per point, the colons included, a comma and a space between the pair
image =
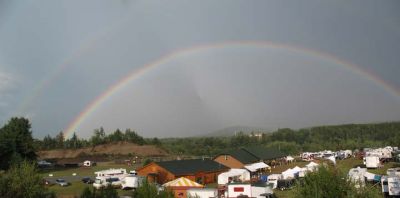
x: 393, y: 172
x: 89, y: 163
x: 273, y: 180
x: 390, y: 186
x: 356, y: 175
x: 111, y: 172
x: 202, y: 193
x: 394, y: 186
x: 237, y: 190
x: 101, y: 182
x: 372, y: 162
x: 132, y: 182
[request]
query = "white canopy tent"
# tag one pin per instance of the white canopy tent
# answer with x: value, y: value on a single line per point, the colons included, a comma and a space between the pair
x: 257, y: 166
x: 289, y: 173
x: 241, y: 174
x: 312, y: 166
x: 289, y: 159
x: 296, y: 169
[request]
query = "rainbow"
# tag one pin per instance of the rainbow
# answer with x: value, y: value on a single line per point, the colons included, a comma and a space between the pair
x: 138, y: 73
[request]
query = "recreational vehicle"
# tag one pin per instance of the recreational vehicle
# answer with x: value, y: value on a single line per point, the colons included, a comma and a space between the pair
x: 372, y: 161
x: 390, y: 186
x: 132, y: 182
x: 238, y: 190
x: 202, y: 193
x: 393, y: 172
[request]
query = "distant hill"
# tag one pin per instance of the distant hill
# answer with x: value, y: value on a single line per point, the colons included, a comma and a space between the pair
x: 115, y: 148
x: 231, y: 131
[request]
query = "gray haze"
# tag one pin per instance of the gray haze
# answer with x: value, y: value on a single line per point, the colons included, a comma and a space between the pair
x: 58, y: 56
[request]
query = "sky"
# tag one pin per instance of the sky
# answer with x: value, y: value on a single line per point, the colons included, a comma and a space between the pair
x: 186, y: 68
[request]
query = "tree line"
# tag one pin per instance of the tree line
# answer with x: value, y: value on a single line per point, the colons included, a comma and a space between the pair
x: 99, y: 137
x: 290, y: 141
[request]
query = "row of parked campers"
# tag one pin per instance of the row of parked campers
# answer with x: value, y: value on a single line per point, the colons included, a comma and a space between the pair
x: 390, y: 183
x: 117, y: 178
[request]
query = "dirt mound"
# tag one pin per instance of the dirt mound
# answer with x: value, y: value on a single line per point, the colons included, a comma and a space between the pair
x: 116, y: 148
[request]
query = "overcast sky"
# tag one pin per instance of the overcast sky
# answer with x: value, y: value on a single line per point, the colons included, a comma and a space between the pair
x: 56, y: 57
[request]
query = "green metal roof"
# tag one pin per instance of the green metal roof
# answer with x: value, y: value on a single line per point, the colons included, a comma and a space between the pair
x: 243, y: 156
x: 189, y: 167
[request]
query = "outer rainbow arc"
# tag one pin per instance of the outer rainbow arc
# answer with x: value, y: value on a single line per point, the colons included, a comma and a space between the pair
x: 136, y: 74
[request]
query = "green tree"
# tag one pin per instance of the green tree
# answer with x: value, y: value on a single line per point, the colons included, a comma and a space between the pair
x: 330, y: 182
x: 60, y: 139
x: 98, y: 137
x: 23, y: 181
x: 16, y: 142
x: 107, y: 192
x: 147, y: 190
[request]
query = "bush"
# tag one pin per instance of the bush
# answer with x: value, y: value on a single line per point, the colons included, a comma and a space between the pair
x: 330, y: 182
x: 108, y: 192
x: 149, y: 190
x: 22, y: 181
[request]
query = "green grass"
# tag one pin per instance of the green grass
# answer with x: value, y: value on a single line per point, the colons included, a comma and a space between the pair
x: 344, y: 166
x: 85, y: 171
x: 76, y: 188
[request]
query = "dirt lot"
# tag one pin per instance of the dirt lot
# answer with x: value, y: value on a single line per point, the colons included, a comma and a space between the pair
x: 117, y: 148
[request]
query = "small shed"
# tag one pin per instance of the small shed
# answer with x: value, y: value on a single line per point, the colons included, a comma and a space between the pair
x: 181, y: 185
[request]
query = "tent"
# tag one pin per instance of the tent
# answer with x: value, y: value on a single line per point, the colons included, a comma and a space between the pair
x: 241, y: 174
x: 256, y: 166
x: 296, y: 169
x: 287, y: 174
x: 289, y: 159
x: 181, y: 185
x: 312, y: 166
x: 182, y: 182
x: 333, y: 159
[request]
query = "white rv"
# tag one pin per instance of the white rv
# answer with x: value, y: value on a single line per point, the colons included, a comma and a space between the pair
x: 202, y: 193
x: 111, y: 172
x: 372, y: 161
x: 132, y: 182
x: 356, y: 175
x: 236, y: 190
x: 394, y: 186
x: 101, y: 182
x: 273, y: 180
x: 393, y: 172
x: 390, y: 185
x: 89, y: 163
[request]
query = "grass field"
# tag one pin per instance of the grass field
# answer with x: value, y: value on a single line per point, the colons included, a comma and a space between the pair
x: 76, y: 187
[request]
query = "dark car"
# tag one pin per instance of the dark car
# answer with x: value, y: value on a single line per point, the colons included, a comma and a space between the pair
x: 87, y: 180
x: 62, y: 182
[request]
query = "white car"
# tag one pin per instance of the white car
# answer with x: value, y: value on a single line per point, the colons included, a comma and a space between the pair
x: 62, y: 182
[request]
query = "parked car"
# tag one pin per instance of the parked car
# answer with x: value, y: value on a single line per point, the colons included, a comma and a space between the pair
x: 62, y: 182
x: 87, y: 180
